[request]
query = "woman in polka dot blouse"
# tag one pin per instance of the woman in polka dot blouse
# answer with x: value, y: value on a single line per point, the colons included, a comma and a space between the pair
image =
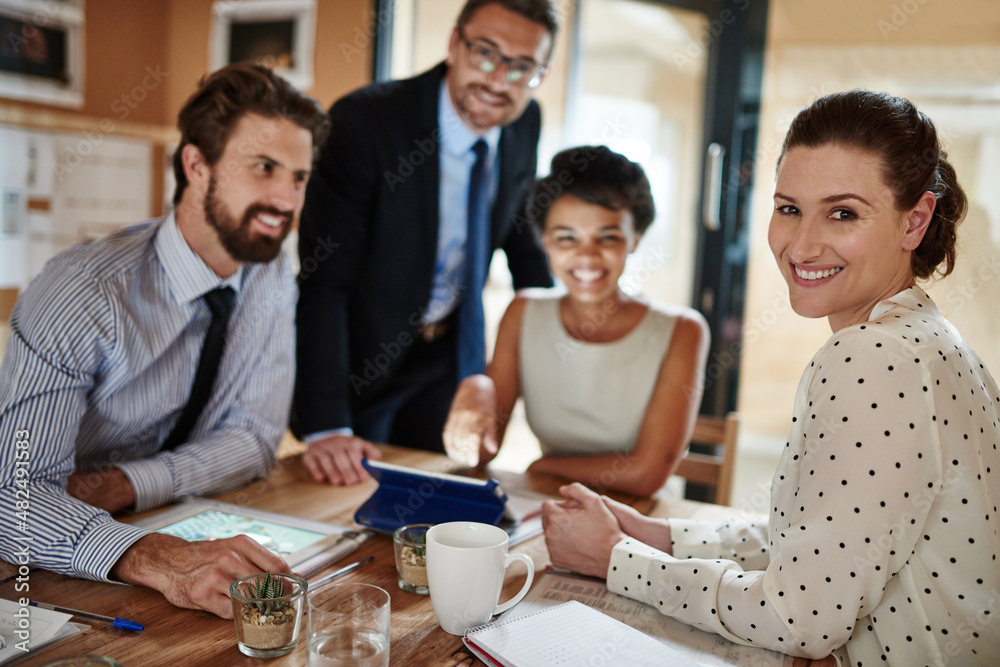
x: 881, y: 545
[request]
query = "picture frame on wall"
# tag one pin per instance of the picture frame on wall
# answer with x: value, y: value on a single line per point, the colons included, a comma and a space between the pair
x: 41, y: 51
x: 277, y: 33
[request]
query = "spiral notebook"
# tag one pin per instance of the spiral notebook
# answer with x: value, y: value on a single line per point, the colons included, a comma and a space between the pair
x: 568, y: 634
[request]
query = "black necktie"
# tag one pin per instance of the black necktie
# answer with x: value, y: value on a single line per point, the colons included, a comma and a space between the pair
x: 471, y: 334
x: 220, y: 302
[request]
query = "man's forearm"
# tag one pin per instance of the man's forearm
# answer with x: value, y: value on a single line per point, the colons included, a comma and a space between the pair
x: 109, y: 490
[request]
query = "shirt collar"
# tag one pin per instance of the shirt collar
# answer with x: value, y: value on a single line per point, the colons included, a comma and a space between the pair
x: 457, y: 138
x: 187, y: 274
x: 912, y: 298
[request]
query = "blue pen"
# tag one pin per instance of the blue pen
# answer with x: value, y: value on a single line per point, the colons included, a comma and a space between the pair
x: 120, y: 623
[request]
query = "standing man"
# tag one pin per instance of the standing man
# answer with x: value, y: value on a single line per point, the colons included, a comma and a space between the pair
x: 420, y: 181
x: 157, y: 362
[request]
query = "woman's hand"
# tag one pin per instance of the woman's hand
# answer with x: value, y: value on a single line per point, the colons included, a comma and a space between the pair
x: 470, y: 433
x: 581, y: 531
x: 654, y: 532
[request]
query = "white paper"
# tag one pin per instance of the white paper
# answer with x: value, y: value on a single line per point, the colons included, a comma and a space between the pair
x: 524, y: 505
x: 698, y: 646
x: 569, y: 634
x: 43, y: 625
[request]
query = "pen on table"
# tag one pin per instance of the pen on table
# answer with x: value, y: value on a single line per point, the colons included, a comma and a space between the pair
x: 120, y: 623
x: 341, y: 572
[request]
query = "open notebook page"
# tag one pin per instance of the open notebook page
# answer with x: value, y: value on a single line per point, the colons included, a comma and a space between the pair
x: 569, y: 634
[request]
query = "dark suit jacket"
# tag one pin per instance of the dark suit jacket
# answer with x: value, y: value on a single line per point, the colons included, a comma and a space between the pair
x: 368, y: 241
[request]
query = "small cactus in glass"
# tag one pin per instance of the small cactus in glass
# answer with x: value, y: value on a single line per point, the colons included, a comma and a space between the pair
x: 267, y: 609
x: 265, y: 593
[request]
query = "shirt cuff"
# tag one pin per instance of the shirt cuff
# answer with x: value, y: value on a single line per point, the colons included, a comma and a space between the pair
x: 313, y: 437
x: 684, y: 589
x: 630, y: 561
x: 99, y: 550
x: 151, y: 481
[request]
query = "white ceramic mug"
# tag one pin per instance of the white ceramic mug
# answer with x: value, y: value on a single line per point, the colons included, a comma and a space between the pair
x: 466, y: 563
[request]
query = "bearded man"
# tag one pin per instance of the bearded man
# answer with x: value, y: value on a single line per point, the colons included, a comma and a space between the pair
x: 157, y: 362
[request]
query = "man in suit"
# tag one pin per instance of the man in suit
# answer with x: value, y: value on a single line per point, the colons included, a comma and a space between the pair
x: 402, y: 214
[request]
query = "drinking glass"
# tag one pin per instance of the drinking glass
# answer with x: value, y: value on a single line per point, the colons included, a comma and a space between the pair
x: 348, y: 626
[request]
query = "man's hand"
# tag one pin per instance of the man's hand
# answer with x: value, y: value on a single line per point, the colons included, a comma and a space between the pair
x: 337, y: 459
x: 108, y: 489
x: 580, y: 532
x: 194, y: 575
x: 470, y: 434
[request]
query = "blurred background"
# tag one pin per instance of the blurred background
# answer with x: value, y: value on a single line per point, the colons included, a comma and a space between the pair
x: 700, y: 92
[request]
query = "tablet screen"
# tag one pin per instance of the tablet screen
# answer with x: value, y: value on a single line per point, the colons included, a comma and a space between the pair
x: 218, y: 525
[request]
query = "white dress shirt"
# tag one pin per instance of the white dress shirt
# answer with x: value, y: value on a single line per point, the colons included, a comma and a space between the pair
x: 103, y: 350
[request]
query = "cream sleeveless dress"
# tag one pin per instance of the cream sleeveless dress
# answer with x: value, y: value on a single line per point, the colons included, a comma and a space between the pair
x: 587, y: 398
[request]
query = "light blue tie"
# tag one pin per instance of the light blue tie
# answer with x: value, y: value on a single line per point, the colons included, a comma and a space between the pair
x: 471, y: 324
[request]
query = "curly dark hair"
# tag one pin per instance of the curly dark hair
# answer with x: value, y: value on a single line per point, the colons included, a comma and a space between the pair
x: 913, y: 161
x: 597, y: 175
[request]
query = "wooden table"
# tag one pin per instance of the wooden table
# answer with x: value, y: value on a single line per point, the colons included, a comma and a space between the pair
x: 184, y: 637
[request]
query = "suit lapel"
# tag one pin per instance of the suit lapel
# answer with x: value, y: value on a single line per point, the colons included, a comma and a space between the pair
x: 508, y: 172
x: 429, y: 174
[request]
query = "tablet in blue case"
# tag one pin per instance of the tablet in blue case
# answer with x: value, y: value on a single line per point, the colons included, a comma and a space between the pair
x: 406, y: 495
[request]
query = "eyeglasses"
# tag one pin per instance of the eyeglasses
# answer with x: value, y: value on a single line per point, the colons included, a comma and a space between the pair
x: 520, y: 71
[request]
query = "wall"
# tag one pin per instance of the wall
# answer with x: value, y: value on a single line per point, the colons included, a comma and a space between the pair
x: 123, y: 93
x: 143, y: 59
x: 342, y: 52
x: 76, y: 168
x: 945, y: 56
x: 121, y: 39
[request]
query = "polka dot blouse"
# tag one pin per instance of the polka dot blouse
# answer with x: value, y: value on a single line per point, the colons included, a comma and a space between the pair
x: 881, y: 544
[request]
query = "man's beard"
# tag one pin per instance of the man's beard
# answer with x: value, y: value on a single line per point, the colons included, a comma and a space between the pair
x: 508, y: 116
x: 237, y: 237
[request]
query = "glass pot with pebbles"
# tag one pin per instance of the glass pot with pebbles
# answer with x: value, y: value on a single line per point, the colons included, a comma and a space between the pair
x: 411, y: 557
x: 267, y: 609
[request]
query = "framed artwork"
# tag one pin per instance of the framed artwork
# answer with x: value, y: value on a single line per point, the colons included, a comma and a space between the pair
x: 276, y: 33
x: 41, y: 51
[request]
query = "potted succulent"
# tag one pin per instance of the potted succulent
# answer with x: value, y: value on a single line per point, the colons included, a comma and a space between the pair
x: 411, y: 559
x: 267, y: 609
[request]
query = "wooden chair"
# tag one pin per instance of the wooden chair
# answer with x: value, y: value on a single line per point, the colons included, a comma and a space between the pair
x: 713, y: 470
x: 8, y: 297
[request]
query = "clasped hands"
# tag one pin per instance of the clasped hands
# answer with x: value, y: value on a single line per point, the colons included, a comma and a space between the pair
x: 581, y: 531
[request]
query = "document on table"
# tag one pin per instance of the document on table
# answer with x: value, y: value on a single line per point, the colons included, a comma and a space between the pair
x: 44, y: 626
x: 698, y: 646
x: 522, y: 518
x: 570, y: 633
